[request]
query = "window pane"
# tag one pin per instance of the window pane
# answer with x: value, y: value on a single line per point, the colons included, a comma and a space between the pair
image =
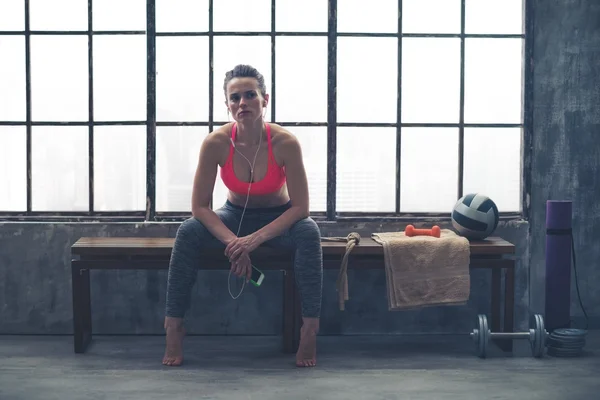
x: 366, y: 169
x: 182, y: 78
x: 117, y: 15
x: 119, y: 168
x: 58, y: 15
x: 431, y: 16
x: 367, y: 16
x: 59, y: 168
x: 13, y: 168
x: 367, y: 79
x: 177, y: 151
x: 430, y: 80
x: 242, y: 16
x: 12, y: 78
x: 230, y: 51
x: 428, y: 169
x: 493, y: 85
x: 120, y: 78
x: 313, y: 141
x: 301, y: 88
x: 494, y: 16
x: 59, y: 78
x: 485, y: 150
x: 181, y: 16
x: 12, y: 15
x: 301, y: 16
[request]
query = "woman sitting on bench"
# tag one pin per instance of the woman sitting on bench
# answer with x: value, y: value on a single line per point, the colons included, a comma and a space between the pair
x: 274, y: 207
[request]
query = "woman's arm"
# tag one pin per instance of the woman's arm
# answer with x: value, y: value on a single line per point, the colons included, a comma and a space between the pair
x: 204, y: 183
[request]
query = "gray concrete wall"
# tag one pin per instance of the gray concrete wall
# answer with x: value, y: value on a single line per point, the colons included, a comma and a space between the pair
x: 35, y: 294
x: 35, y: 290
x: 566, y: 140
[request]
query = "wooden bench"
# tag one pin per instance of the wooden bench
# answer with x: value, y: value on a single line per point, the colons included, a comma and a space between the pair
x: 119, y: 253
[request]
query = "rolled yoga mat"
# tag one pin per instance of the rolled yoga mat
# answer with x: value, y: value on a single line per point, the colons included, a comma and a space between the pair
x: 558, y: 264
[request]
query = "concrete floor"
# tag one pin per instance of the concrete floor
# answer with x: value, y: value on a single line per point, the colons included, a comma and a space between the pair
x: 407, y: 367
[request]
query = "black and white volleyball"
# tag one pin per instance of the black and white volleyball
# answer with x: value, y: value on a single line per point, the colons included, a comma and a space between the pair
x: 475, y: 216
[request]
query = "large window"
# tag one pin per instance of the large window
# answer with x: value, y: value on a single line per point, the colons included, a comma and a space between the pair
x: 401, y: 106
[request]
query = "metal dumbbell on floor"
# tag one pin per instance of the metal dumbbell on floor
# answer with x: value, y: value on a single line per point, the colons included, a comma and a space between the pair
x: 537, y: 336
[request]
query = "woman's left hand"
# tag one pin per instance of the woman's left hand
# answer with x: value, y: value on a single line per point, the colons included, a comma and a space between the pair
x: 241, y: 245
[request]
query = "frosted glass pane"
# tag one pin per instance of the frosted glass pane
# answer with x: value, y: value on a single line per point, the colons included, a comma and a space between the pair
x: 182, y: 78
x: 120, y: 78
x: 119, y: 168
x: 220, y: 191
x: 177, y: 151
x: 493, y: 85
x: 242, y: 16
x: 58, y: 15
x: 301, y: 16
x: 13, y: 168
x: 59, y: 168
x: 366, y: 169
x: 232, y: 50
x: 429, y: 169
x: 117, y: 15
x: 367, y: 88
x: 430, y: 80
x: 313, y: 141
x: 301, y: 87
x: 494, y: 16
x: 367, y: 16
x: 181, y: 15
x: 493, y: 165
x: 431, y: 16
x: 12, y: 15
x: 59, y: 78
x: 12, y: 78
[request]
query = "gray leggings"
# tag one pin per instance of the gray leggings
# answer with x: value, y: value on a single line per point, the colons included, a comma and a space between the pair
x: 304, y: 237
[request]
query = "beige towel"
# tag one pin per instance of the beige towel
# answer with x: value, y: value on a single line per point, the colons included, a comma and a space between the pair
x: 425, y: 271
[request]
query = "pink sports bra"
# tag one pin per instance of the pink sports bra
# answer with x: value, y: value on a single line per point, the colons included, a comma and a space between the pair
x: 273, y: 180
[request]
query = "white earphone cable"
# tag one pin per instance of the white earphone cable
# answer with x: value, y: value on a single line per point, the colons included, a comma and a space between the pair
x: 244, y: 210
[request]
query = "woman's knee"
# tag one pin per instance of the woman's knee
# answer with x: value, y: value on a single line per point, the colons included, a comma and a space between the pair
x: 306, y: 230
x: 192, y: 229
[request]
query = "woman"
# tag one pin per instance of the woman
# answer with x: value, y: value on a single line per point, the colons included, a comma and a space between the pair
x: 261, y: 164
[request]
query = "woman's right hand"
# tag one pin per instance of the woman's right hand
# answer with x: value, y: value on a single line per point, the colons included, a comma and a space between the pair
x: 242, y: 267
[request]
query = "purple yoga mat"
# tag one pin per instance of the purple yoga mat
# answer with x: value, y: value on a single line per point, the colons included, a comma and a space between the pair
x: 558, y: 264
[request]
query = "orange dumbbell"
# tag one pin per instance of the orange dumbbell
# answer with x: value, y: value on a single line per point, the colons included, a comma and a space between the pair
x: 410, y: 230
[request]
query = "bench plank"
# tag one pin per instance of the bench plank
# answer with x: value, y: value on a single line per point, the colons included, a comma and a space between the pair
x: 136, y: 246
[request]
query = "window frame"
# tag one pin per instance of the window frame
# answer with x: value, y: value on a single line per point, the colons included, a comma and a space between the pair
x: 331, y: 215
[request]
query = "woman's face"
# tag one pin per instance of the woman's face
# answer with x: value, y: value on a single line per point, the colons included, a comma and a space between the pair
x: 244, y: 99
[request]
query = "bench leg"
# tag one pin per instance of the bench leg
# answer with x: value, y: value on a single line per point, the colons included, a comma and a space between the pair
x: 509, y: 304
x: 496, y: 306
x: 297, y: 319
x: 82, y: 312
x: 288, y: 311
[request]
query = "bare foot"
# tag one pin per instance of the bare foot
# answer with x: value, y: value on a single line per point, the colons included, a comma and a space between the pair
x: 174, y: 349
x: 307, y: 349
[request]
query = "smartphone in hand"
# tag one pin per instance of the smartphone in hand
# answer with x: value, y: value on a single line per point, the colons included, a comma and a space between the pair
x: 257, y: 276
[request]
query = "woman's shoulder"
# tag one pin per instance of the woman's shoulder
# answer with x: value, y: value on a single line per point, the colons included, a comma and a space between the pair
x: 280, y: 136
x: 219, y: 136
x: 285, y: 143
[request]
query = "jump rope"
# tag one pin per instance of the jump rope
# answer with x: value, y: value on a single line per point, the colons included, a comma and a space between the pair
x: 244, y: 210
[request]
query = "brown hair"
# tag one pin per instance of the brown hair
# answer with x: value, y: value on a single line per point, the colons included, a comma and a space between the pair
x: 245, y: 71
